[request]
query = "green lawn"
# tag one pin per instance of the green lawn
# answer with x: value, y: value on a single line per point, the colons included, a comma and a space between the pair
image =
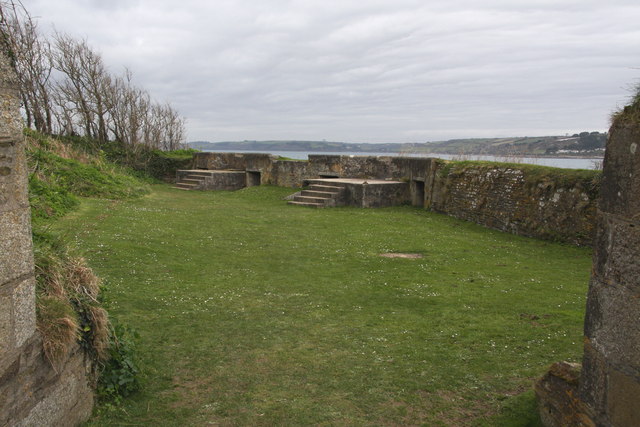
x: 253, y: 312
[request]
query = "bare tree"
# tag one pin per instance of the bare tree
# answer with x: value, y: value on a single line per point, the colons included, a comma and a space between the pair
x: 66, y: 87
x: 131, y: 107
x: 30, y: 54
x: 86, y: 84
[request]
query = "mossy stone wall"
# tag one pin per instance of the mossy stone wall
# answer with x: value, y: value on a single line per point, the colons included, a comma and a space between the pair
x: 519, y: 199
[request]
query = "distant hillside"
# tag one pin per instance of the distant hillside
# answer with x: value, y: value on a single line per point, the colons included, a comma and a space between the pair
x: 296, y: 146
x: 583, y: 144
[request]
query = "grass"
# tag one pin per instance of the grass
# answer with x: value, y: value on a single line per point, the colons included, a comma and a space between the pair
x: 253, y: 312
x: 59, y: 173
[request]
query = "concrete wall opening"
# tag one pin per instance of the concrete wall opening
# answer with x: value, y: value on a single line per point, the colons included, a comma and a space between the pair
x: 328, y: 175
x: 253, y: 178
x: 417, y: 192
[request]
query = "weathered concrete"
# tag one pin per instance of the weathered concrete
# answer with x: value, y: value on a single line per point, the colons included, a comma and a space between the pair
x: 32, y: 393
x: 373, y: 193
x: 211, y: 179
x: 17, y: 282
x: 233, y: 161
x: 608, y: 391
x: 560, y: 404
x: 610, y: 382
x: 363, y: 193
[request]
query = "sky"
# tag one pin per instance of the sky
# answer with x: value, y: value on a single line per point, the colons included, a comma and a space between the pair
x: 368, y: 70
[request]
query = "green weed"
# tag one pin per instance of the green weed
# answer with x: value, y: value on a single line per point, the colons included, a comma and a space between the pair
x: 119, y: 374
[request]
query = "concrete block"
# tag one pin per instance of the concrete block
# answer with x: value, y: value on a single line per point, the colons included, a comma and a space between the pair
x: 617, y: 252
x: 558, y: 401
x: 623, y: 399
x: 7, y: 79
x: 7, y: 342
x: 69, y: 403
x: 15, y: 245
x: 24, y: 311
x: 620, y: 189
x: 13, y: 176
x: 614, y: 328
x: 593, y: 379
x: 9, y: 114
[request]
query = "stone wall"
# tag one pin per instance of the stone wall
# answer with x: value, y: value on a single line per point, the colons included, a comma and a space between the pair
x: 517, y: 199
x: 610, y: 381
x: 32, y: 393
x: 526, y: 200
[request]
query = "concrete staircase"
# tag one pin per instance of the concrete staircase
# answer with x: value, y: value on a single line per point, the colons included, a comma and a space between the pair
x: 192, y: 179
x: 320, y: 194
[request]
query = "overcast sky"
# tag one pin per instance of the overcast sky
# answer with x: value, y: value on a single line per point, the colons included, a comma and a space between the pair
x: 368, y: 70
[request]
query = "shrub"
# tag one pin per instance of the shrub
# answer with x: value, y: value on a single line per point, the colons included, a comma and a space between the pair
x: 119, y: 376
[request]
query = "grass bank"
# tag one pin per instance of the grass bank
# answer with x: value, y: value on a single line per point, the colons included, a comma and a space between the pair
x: 253, y: 312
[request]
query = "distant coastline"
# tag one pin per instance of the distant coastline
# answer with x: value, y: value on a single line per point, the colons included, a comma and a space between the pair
x: 567, y: 162
x: 584, y: 145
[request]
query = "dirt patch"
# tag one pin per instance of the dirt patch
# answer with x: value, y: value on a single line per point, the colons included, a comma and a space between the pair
x: 401, y: 255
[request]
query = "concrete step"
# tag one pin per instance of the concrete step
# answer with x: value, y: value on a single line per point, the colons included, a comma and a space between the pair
x: 309, y: 205
x: 202, y: 173
x: 189, y: 180
x: 325, y: 188
x: 310, y: 199
x: 318, y: 194
x: 185, y: 185
x: 181, y: 188
x: 324, y: 182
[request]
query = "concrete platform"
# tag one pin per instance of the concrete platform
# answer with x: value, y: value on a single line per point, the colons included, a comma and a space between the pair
x: 367, y: 193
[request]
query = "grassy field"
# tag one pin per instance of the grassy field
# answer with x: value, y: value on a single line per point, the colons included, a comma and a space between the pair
x: 253, y: 312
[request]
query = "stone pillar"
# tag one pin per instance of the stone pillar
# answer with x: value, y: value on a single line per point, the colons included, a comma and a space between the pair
x: 17, y: 283
x: 610, y: 379
x: 32, y: 393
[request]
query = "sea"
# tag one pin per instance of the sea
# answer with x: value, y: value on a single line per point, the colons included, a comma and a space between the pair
x: 558, y: 162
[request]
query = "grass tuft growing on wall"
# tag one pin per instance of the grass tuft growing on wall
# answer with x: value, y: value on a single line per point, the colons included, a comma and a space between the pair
x: 67, y: 305
x: 631, y: 112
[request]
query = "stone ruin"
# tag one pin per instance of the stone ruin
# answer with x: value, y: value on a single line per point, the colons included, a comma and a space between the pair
x: 606, y: 391
x: 546, y: 203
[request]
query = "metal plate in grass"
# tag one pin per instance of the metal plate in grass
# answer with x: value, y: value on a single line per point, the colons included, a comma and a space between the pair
x: 401, y: 255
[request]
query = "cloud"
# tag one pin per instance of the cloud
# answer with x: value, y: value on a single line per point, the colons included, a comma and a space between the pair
x: 374, y: 71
